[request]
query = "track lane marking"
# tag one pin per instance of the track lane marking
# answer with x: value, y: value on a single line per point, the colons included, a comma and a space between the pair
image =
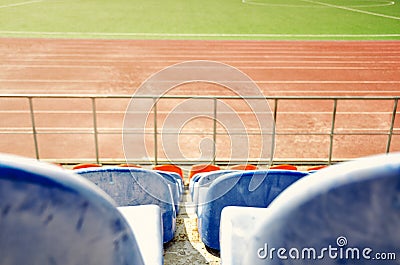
x: 298, y: 65
x: 257, y: 81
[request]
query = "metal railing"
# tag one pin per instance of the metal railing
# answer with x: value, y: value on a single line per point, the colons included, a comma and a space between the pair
x: 33, y: 131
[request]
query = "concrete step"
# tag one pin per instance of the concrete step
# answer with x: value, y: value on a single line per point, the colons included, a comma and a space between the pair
x: 186, y: 247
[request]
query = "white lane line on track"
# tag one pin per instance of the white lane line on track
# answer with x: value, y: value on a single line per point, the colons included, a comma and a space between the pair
x: 269, y: 92
x: 334, y: 92
x: 257, y: 81
x: 201, y: 51
x: 21, y: 4
x: 244, y: 59
x: 329, y: 82
x: 372, y: 68
x: 25, y: 63
x: 351, y: 9
x: 161, y: 35
x: 260, y: 56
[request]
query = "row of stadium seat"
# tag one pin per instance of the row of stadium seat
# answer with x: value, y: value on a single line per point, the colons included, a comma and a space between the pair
x: 200, y: 168
x: 200, y: 182
x: 167, y: 168
x: 348, y: 213
x: 213, y: 191
x: 56, y: 216
x: 241, y: 214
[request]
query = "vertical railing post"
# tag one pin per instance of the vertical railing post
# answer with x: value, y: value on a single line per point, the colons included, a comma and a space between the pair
x: 332, y: 133
x: 215, y: 130
x: 155, y: 131
x: 95, y: 130
x: 396, y: 100
x: 34, y: 131
x: 271, y: 159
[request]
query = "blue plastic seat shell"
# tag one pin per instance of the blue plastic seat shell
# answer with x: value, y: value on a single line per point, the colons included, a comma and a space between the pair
x: 355, y: 202
x: 51, y: 216
x: 136, y: 186
x: 244, y: 188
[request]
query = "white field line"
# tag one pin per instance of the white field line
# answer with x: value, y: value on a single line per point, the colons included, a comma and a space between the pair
x: 21, y: 4
x: 228, y: 35
x: 351, y: 9
x: 375, y: 3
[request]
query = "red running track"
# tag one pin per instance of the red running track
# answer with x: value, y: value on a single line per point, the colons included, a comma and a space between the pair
x: 280, y: 68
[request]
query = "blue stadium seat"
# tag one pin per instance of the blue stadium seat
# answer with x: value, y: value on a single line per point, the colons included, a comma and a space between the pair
x: 174, y: 186
x: 51, y: 216
x: 136, y: 186
x: 201, y: 187
x: 178, y: 179
x: 243, y: 188
x: 352, y: 208
x: 192, y: 182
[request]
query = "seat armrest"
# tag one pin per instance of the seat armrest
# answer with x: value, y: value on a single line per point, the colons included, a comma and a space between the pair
x: 237, y: 224
x: 146, y: 224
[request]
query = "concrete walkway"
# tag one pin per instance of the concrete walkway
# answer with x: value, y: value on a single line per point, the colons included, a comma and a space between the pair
x: 186, y: 247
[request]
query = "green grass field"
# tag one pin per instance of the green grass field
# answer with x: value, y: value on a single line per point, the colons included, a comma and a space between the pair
x: 202, y: 19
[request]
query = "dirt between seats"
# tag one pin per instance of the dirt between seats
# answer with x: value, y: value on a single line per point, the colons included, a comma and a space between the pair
x: 186, y: 247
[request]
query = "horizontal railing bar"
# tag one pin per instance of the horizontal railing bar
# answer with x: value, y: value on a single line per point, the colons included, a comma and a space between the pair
x: 88, y: 112
x: 277, y: 161
x: 83, y: 96
x: 103, y: 96
x: 116, y: 131
x: 278, y: 133
x: 15, y: 132
x: 101, y: 132
x: 238, y: 112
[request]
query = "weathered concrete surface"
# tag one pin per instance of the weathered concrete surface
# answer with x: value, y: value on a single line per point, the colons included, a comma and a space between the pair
x: 186, y: 247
